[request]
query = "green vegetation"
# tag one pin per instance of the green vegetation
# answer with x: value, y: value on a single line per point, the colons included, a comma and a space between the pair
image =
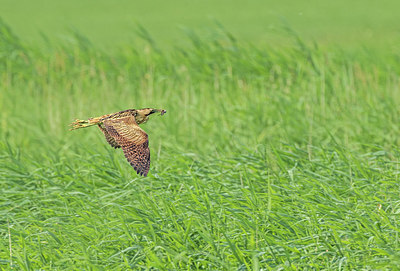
x: 106, y: 23
x: 268, y: 158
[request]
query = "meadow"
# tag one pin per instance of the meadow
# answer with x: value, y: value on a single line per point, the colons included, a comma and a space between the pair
x: 269, y: 158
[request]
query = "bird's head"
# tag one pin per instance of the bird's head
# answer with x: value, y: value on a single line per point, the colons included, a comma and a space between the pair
x: 143, y: 114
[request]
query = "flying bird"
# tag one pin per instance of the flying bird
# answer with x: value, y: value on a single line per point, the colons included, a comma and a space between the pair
x: 122, y: 130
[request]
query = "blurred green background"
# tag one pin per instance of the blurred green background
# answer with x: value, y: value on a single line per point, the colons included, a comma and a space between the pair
x: 347, y: 23
x: 279, y: 150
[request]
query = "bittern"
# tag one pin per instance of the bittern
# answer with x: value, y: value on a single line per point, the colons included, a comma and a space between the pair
x: 122, y: 130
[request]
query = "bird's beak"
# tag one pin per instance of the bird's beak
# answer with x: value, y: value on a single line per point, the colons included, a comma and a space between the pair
x: 162, y: 111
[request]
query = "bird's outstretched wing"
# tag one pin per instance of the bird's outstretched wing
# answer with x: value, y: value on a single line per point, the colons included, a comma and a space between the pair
x: 109, y: 138
x: 133, y: 141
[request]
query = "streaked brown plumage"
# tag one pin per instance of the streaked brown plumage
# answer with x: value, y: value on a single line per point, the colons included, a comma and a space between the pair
x: 122, y: 130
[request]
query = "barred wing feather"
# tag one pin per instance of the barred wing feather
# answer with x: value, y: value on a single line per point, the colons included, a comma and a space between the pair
x: 133, y: 141
x: 109, y: 138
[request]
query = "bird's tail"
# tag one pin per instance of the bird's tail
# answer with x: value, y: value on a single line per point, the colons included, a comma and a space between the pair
x: 83, y: 123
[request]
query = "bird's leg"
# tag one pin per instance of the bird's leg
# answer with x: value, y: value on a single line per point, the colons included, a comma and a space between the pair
x: 84, y: 123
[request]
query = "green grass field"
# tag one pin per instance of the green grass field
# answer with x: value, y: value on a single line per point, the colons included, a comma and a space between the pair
x: 269, y: 158
x: 350, y: 23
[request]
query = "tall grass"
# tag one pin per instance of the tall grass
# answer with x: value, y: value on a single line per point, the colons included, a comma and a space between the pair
x: 268, y: 158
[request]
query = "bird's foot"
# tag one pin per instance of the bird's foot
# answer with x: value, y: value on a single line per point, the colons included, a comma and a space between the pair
x: 79, y: 124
